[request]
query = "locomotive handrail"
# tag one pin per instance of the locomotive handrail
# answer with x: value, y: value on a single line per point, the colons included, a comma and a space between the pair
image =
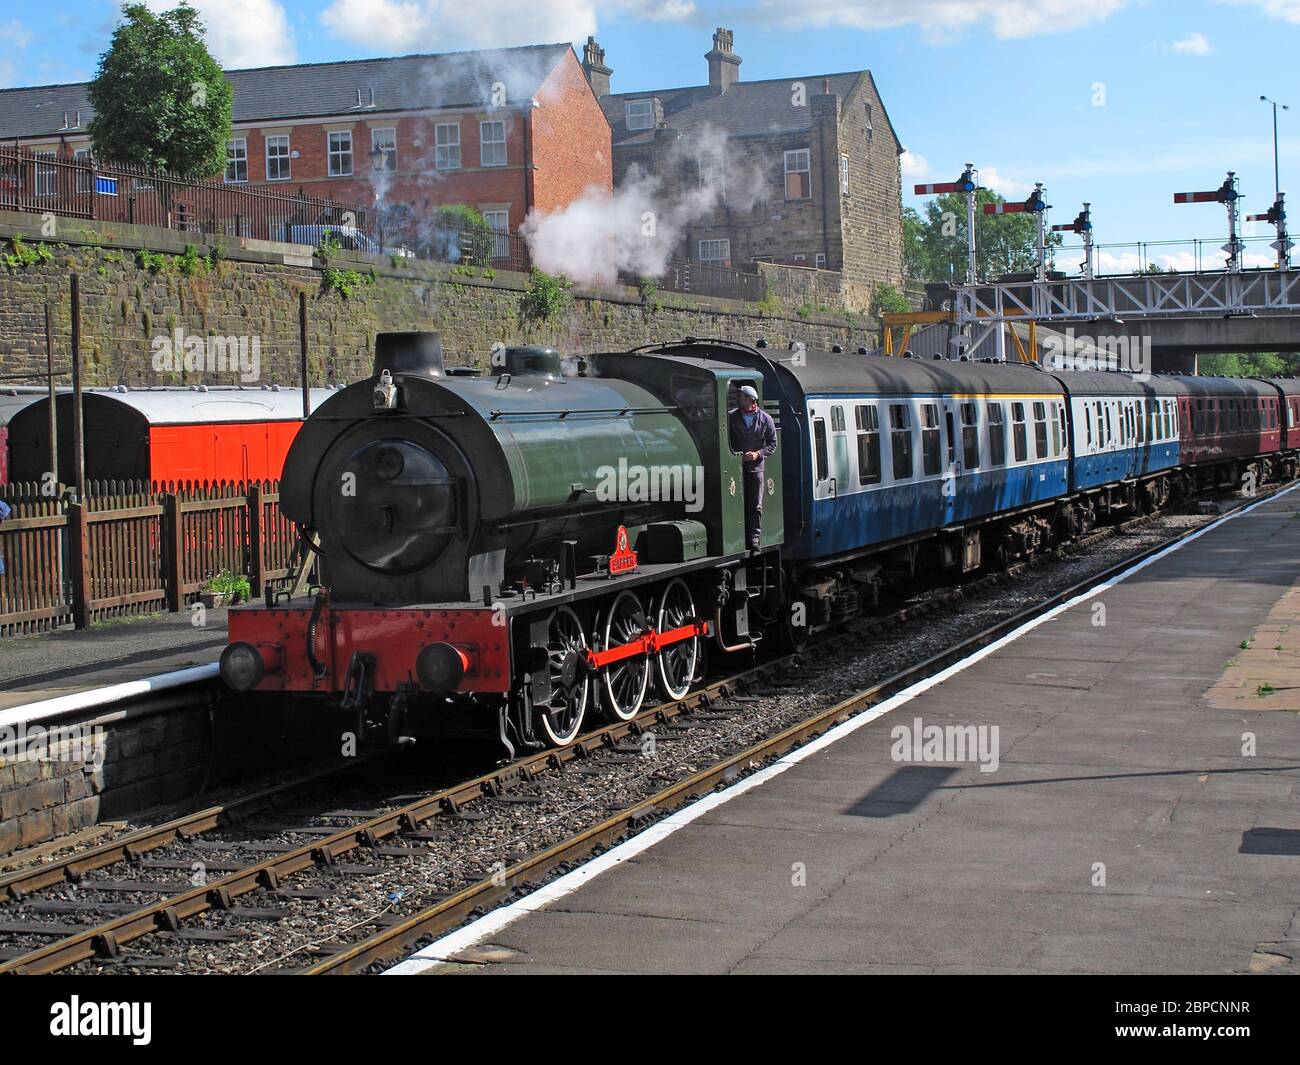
x: 562, y: 413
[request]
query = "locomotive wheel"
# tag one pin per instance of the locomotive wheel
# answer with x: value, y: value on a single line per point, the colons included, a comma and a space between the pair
x: 623, y: 684
x: 677, y: 664
x: 566, y: 647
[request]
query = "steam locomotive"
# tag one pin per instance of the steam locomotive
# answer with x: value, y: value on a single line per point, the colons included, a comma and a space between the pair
x: 552, y: 539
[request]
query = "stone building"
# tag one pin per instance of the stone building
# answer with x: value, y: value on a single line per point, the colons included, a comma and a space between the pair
x: 800, y: 171
x: 506, y: 131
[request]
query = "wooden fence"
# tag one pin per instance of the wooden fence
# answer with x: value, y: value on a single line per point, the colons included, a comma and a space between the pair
x: 132, y: 548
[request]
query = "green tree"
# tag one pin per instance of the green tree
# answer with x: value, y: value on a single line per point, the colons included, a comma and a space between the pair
x: 161, y: 101
x: 1253, y: 364
x: 934, y: 242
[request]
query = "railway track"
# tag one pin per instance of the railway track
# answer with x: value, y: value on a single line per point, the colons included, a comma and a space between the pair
x: 214, y: 911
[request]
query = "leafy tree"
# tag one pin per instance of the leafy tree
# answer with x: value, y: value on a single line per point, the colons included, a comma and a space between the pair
x: 161, y: 101
x: 934, y: 242
x: 1254, y: 364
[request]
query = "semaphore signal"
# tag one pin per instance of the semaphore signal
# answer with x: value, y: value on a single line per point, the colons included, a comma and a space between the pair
x: 1038, y: 207
x: 1276, y: 216
x: 968, y: 185
x: 1228, y: 195
x: 1082, y: 225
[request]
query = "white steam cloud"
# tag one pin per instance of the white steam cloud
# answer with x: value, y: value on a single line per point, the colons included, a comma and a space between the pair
x: 641, y: 226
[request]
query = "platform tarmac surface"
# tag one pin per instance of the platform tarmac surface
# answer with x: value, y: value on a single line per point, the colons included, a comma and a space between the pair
x: 1112, y: 762
x: 53, y: 664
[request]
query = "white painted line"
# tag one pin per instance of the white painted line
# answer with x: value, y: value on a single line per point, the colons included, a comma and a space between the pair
x: 440, y: 951
x: 94, y: 698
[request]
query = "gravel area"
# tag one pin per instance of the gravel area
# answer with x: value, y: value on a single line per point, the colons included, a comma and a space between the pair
x: 316, y: 911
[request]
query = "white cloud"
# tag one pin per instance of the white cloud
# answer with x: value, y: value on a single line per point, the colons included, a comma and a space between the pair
x: 1193, y: 44
x: 1286, y: 10
x: 944, y: 20
x: 425, y: 25
x: 8, y: 74
x: 16, y: 33
x: 1004, y: 186
x: 242, y: 33
x: 914, y: 164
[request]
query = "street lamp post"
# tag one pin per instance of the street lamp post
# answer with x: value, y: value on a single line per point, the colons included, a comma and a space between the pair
x: 1277, y: 185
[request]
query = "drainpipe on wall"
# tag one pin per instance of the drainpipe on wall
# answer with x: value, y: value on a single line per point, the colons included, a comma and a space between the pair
x: 528, y: 157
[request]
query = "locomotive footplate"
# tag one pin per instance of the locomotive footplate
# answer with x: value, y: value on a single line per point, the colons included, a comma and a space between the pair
x: 308, y: 645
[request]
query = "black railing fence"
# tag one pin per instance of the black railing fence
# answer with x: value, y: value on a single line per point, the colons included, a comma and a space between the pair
x: 79, y: 187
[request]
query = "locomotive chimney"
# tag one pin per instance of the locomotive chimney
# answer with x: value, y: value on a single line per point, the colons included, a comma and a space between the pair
x: 593, y: 66
x: 414, y: 354
x: 724, y: 64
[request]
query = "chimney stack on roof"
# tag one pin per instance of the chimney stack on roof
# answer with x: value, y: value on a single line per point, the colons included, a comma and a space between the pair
x: 593, y: 66
x: 724, y: 64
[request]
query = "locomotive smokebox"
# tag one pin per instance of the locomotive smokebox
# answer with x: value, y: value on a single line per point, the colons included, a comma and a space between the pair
x: 413, y: 354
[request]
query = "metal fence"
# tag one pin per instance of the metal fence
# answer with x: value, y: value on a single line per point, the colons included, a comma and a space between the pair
x: 705, y: 279
x: 133, y: 548
x: 79, y: 187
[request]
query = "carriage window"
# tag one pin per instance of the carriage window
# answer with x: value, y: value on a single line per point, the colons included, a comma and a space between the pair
x: 930, y: 459
x: 1169, y: 419
x: 900, y: 440
x: 1040, y: 430
x: 837, y: 419
x: 868, y: 420
x: 1056, y: 429
x: 1110, y: 431
x: 970, y: 435
x: 1087, y: 425
x: 819, y: 448
x: 997, y: 435
x: 1019, y: 443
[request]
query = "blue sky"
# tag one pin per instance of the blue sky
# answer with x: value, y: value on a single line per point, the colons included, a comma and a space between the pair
x: 1120, y: 102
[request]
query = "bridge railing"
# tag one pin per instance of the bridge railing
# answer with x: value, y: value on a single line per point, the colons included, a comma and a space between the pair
x: 1197, y: 255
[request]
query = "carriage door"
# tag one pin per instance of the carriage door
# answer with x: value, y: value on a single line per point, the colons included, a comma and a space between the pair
x: 951, y: 483
x: 839, y: 450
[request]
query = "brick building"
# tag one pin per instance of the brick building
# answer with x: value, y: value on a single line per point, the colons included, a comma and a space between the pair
x: 506, y: 131
x: 804, y: 171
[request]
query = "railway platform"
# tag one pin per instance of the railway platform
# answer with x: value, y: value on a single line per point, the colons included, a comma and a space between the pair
x: 35, y: 669
x: 1126, y: 802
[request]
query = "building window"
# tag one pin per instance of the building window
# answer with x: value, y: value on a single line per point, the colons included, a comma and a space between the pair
x: 499, y: 221
x: 715, y: 252
x: 446, y: 152
x: 384, y: 140
x: 844, y: 175
x: 340, y: 154
x: 45, y: 181
x: 492, y: 143
x: 798, y: 175
x: 713, y: 175
x: 869, y: 130
x: 278, y: 165
x: 819, y: 260
x: 640, y: 114
x: 236, y: 161
x: 86, y: 177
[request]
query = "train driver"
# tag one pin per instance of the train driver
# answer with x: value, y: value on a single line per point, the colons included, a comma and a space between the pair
x: 753, y: 437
